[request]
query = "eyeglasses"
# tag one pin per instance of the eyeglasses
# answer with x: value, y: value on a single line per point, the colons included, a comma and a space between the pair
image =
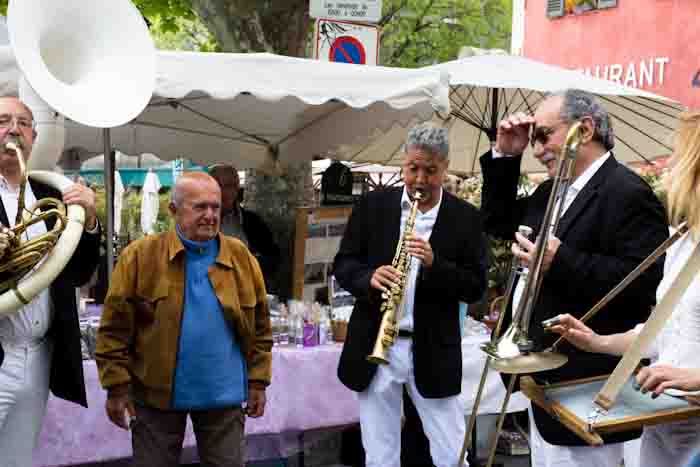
x: 541, y: 134
x: 24, y: 123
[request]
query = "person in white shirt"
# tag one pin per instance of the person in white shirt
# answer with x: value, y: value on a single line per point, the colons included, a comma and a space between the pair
x: 676, y: 369
x: 41, y: 342
x: 446, y: 264
x: 611, y: 221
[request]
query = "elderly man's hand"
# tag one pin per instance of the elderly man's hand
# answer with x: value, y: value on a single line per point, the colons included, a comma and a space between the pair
x: 6, y: 237
x: 118, y: 408
x: 513, y: 134
x: 83, y: 196
x: 256, y: 401
x: 525, y: 250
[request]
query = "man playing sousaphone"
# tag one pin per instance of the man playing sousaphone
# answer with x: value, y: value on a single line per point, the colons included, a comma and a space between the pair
x: 611, y: 221
x: 41, y: 342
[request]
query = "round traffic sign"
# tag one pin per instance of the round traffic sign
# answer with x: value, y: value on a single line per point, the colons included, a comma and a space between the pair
x: 347, y: 49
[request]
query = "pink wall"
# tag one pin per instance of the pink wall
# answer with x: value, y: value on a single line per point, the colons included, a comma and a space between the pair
x: 642, y: 38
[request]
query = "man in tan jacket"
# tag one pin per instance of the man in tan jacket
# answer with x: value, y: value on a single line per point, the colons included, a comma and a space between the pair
x: 186, y: 331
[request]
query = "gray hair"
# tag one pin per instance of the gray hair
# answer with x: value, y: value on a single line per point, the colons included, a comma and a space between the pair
x: 578, y: 104
x: 430, y: 138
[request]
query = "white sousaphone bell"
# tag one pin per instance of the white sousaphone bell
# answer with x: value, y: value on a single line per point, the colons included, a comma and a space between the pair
x: 92, y: 61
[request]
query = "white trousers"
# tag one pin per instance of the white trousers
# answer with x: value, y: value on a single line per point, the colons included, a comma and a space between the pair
x: 670, y: 444
x: 544, y: 454
x: 24, y: 391
x: 380, y: 414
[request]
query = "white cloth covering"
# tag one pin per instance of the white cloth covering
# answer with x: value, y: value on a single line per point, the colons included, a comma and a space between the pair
x: 118, y: 201
x: 150, y: 203
x: 678, y: 344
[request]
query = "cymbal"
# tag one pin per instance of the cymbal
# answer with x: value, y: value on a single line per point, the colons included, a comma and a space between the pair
x: 532, y: 362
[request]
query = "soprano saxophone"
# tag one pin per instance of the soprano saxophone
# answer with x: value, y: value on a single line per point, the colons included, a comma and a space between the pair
x: 392, y: 298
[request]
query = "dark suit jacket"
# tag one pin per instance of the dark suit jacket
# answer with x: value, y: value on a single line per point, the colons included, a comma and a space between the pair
x: 613, y: 224
x: 67, y: 363
x: 261, y: 243
x: 458, y: 273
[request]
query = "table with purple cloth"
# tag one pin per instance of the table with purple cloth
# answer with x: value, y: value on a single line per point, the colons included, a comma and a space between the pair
x: 305, y: 394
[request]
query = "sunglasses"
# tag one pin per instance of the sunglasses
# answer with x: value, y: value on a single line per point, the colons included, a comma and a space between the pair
x: 541, y: 134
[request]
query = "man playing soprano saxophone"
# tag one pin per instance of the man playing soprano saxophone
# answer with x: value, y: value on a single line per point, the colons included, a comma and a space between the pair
x: 447, y: 265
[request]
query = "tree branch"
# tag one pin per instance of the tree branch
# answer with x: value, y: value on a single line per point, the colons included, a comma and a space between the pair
x: 418, y: 25
x: 390, y: 14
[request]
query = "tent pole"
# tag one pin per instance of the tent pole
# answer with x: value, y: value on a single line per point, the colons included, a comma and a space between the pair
x: 109, y: 199
x: 494, y: 114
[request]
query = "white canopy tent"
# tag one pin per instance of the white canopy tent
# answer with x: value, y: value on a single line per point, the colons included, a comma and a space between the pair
x: 255, y: 109
x: 251, y: 109
x: 486, y: 88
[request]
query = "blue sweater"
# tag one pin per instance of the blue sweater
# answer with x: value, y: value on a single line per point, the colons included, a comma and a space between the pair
x: 210, y: 371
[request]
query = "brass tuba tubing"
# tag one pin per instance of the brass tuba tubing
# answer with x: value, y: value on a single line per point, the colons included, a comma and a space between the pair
x: 391, y: 299
x: 23, y: 256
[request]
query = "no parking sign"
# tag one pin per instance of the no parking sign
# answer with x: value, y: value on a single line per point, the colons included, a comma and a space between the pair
x: 346, y: 42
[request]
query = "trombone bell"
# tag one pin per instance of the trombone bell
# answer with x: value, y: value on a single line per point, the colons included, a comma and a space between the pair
x: 511, y: 354
x: 529, y: 363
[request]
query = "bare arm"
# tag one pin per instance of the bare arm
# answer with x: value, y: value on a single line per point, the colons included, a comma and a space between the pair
x: 583, y: 337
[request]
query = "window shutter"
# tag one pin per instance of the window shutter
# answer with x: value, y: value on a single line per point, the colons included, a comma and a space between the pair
x: 555, y: 8
x: 607, y: 3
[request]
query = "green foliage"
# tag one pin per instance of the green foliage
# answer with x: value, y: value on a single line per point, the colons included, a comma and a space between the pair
x: 499, y: 250
x: 656, y: 180
x: 414, y: 32
x: 424, y: 32
x: 166, y: 12
x: 131, y: 213
x: 183, y: 34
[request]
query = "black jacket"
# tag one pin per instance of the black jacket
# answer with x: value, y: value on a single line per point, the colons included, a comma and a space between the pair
x: 458, y: 273
x: 261, y: 243
x: 66, y: 379
x: 613, y: 224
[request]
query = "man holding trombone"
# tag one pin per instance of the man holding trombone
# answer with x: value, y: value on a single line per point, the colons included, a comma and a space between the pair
x: 610, y: 221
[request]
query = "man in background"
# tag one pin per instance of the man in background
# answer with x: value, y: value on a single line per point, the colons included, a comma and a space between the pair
x: 243, y: 224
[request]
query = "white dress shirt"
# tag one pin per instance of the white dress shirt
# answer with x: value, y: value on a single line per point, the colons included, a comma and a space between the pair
x: 32, y: 322
x: 573, y: 190
x: 422, y: 228
x: 678, y: 343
